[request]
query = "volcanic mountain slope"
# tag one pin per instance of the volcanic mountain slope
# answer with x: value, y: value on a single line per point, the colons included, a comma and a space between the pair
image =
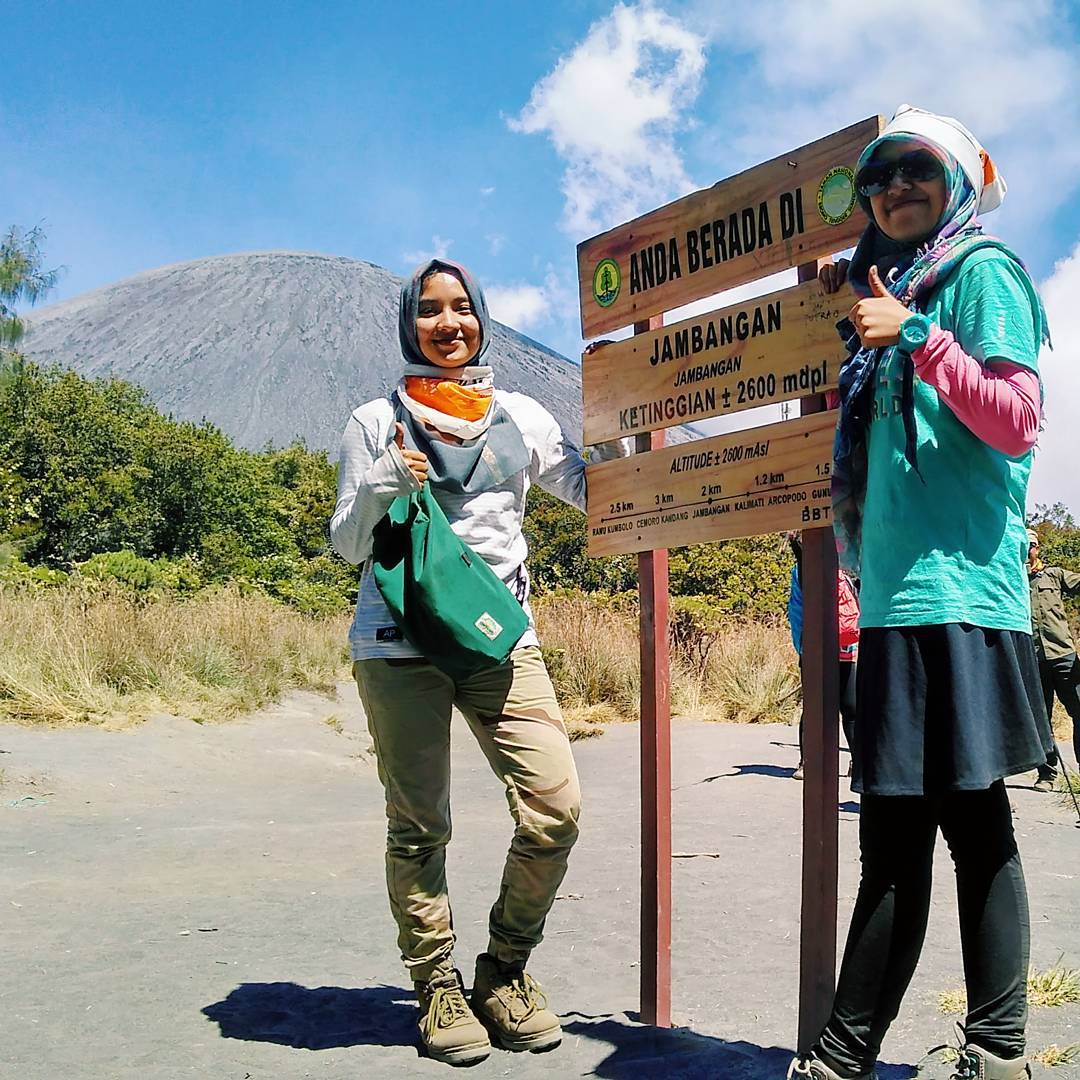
x: 269, y: 346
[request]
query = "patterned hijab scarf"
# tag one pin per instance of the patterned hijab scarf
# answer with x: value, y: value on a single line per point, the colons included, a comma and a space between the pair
x: 911, y: 272
x: 450, y: 414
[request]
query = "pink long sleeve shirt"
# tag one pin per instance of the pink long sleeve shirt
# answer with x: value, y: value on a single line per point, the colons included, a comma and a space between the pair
x: 999, y: 403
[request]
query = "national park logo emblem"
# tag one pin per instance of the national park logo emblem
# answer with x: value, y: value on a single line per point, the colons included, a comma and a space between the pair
x: 606, y: 282
x: 836, y: 195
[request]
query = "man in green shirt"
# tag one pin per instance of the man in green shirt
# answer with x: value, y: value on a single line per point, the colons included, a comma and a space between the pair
x: 1059, y: 668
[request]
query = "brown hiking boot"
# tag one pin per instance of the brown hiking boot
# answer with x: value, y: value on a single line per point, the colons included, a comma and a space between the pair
x: 450, y: 1031
x: 978, y: 1064
x: 513, y: 1007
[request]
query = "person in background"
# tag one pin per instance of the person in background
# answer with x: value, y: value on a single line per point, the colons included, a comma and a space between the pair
x: 1059, y: 668
x: 848, y: 613
x: 941, y: 403
x: 479, y: 449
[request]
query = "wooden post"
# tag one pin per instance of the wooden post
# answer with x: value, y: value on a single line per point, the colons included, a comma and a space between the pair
x: 655, y: 768
x: 820, y: 677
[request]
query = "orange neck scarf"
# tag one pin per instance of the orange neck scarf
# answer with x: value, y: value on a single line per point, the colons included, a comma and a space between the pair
x: 450, y: 397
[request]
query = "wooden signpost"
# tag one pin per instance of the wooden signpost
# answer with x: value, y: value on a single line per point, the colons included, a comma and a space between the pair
x: 774, y: 348
x: 765, y: 480
x: 795, y: 208
x: 788, y: 212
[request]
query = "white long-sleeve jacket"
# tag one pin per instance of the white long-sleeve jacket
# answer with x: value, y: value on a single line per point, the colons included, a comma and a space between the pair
x: 372, y: 473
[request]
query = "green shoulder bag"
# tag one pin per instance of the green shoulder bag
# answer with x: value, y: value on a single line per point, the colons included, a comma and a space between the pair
x: 445, y: 599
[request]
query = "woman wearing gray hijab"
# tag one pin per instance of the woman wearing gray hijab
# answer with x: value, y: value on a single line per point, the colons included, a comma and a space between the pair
x: 479, y: 449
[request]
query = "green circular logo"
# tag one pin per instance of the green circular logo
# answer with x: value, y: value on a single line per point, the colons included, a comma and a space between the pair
x: 606, y: 282
x: 836, y: 195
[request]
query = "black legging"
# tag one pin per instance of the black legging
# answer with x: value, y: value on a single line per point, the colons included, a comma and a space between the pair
x: 896, y: 836
x: 847, y: 703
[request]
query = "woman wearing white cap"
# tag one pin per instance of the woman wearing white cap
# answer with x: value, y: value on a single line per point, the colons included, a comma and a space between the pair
x: 940, y: 409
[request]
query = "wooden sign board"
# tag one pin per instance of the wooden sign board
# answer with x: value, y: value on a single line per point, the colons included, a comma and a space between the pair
x: 765, y: 480
x: 773, y: 348
x: 787, y: 211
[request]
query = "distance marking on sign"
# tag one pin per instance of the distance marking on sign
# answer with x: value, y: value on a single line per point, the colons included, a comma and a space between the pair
x: 748, y: 483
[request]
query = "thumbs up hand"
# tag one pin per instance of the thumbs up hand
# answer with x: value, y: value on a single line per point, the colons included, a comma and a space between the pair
x: 416, y: 461
x: 878, y: 317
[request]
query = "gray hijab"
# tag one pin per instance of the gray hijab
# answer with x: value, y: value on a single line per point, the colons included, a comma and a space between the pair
x: 410, y: 306
x: 498, y: 453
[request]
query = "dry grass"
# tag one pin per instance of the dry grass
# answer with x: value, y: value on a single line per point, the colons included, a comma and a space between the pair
x: 751, y: 675
x: 953, y: 1002
x: 1067, y: 779
x: 745, y: 672
x: 69, y: 656
x: 592, y: 653
x: 1061, y: 723
x: 1054, y: 987
x: 1049, y: 989
x: 587, y: 721
x: 1055, y: 1056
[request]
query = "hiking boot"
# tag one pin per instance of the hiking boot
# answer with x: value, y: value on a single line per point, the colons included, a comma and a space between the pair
x: 978, y: 1064
x: 1045, y: 783
x: 812, y: 1067
x: 512, y: 1006
x: 450, y: 1031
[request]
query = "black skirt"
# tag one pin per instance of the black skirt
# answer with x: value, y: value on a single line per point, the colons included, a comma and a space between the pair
x: 946, y: 708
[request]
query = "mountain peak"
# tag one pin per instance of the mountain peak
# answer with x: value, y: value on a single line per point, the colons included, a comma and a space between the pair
x: 268, y: 345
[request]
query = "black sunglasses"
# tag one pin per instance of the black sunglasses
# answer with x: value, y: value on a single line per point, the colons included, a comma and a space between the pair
x: 874, y: 178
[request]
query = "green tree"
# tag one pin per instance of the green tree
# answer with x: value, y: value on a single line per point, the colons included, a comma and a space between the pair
x: 558, y: 550
x: 22, y: 280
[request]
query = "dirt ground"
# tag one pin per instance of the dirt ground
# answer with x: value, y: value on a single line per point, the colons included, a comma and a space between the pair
x: 181, y: 900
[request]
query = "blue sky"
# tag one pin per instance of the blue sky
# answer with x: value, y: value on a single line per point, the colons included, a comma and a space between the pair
x: 142, y: 134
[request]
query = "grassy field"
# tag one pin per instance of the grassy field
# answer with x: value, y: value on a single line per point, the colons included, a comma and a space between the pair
x: 77, y: 654
x: 74, y: 655
x: 85, y: 655
x: 737, y: 671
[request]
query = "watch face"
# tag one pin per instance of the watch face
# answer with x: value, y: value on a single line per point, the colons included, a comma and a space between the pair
x: 915, y: 331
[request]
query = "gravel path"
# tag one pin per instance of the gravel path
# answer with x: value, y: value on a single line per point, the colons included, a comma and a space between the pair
x: 207, y: 901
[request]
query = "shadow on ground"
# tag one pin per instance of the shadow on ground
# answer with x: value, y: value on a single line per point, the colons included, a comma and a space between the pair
x: 331, y: 1017
x: 681, y: 1054
x: 778, y: 772
x: 320, y: 1019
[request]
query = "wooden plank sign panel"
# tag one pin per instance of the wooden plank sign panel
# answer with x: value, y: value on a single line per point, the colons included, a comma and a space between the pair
x: 785, y: 212
x: 747, y: 483
x: 772, y: 348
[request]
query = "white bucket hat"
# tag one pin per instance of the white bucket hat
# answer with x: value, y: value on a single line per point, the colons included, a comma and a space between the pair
x: 948, y: 133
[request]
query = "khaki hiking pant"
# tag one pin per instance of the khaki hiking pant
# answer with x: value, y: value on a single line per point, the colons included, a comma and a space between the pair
x: 513, y: 713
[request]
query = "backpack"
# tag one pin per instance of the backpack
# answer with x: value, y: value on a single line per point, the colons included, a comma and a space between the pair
x: 445, y: 599
x: 848, y: 607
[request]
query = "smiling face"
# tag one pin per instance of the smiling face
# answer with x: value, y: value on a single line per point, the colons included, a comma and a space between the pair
x: 447, y: 329
x: 908, y: 210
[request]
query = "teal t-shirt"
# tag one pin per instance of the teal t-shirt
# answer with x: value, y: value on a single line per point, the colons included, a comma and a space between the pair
x: 952, y: 549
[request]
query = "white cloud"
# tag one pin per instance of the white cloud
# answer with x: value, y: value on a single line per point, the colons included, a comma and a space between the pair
x: 520, y: 306
x: 1055, y: 477
x: 440, y: 249
x: 611, y: 108
x: 496, y: 242
x: 525, y: 306
x: 1007, y: 70
x: 486, y: 191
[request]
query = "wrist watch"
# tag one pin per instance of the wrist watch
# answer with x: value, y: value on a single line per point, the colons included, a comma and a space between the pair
x: 914, y: 331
